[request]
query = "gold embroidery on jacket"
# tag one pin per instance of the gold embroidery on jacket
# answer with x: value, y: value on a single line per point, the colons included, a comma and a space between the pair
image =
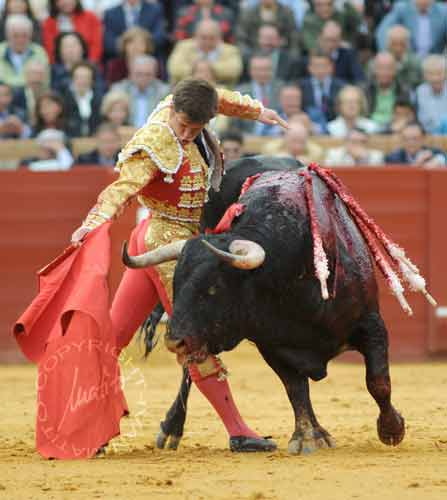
x: 192, y: 183
x: 192, y: 199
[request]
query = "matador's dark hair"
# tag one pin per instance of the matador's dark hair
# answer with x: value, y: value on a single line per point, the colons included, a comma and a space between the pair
x: 197, y: 99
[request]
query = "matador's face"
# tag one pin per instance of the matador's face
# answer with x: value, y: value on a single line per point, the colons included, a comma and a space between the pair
x: 185, y: 130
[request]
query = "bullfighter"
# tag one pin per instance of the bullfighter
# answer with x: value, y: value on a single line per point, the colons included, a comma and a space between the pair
x: 169, y: 164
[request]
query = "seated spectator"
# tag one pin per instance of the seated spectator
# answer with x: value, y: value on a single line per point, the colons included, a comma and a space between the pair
x: 290, y: 100
x: 266, y: 11
x: 69, y: 15
x: 346, y: 63
x: 263, y: 87
x: 130, y: 13
x: 70, y: 49
x: 144, y: 89
x: 354, y: 152
x: 12, y: 120
x: 320, y: 90
x: 431, y: 96
x: 404, y: 113
x: 324, y: 10
x: 18, y: 49
x: 20, y: 7
x: 115, y: 108
x: 408, y: 63
x: 426, y: 21
x: 206, y: 44
x: 298, y: 7
x: 134, y: 42
x: 52, y: 155
x: 50, y: 113
x: 36, y: 83
x: 82, y: 101
x: 108, y: 145
x: 189, y: 17
x: 232, y: 145
x: 384, y: 90
x: 352, y: 107
x: 286, y: 66
x: 414, y: 151
x: 296, y: 144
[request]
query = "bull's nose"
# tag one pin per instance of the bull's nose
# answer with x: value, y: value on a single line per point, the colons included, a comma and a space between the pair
x: 175, y: 345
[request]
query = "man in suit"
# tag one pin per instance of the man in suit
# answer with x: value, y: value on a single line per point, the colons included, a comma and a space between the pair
x: 207, y: 44
x: 286, y: 66
x: 320, y: 90
x: 251, y: 18
x: 414, y: 151
x: 148, y: 15
x: 323, y: 11
x: 346, y: 63
x: 426, y: 20
x: 108, y: 145
x: 262, y: 87
x: 144, y: 89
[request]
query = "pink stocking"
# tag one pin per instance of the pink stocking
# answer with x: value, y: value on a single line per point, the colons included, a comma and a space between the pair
x: 218, y: 393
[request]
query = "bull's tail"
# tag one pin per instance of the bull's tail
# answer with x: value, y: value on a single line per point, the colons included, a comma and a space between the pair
x: 373, y: 235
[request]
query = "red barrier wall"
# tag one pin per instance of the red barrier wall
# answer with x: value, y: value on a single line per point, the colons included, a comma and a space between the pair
x: 39, y: 211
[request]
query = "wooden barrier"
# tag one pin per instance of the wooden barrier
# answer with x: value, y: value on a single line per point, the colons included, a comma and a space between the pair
x: 12, y: 151
x: 39, y: 211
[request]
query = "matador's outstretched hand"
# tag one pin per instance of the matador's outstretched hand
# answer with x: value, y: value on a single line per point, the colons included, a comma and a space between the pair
x: 271, y: 117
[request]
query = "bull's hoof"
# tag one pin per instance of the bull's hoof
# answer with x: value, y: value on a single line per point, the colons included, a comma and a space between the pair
x: 305, y: 443
x: 391, y: 428
x: 244, y: 444
x: 163, y: 439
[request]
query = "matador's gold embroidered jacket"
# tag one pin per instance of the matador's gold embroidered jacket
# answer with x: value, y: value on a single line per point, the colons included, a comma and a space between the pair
x: 169, y: 179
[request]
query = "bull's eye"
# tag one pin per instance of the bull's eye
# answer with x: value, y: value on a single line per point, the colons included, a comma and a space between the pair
x: 212, y: 290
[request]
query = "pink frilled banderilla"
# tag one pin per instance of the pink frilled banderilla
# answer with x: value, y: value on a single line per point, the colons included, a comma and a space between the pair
x: 374, y: 237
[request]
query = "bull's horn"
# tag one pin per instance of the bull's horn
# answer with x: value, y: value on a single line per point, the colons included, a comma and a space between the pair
x: 171, y: 251
x: 243, y: 254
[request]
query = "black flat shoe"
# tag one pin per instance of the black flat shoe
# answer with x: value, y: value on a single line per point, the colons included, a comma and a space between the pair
x: 244, y: 444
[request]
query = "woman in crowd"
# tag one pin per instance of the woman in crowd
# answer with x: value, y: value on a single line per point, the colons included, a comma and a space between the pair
x: 134, y: 42
x: 20, y: 7
x: 83, y: 101
x: 351, y: 105
x: 70, y: 49
x: 69, y: 15
x: 50, y: 113
x: 115, y: 108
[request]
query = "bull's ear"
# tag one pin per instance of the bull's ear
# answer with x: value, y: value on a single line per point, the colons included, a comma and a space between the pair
x: 243, y: 254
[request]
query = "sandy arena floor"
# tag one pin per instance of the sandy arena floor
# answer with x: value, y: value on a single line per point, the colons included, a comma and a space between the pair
x: 203, y: 467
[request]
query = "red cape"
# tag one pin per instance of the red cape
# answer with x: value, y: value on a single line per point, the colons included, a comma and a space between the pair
x: 67, y: 331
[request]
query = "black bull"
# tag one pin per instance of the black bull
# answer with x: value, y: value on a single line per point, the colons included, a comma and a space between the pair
x: 278, y: 305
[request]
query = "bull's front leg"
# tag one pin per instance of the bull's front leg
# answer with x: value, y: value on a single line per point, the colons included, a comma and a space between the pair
x: 309, y: 435
x: 373, y: 344
x: 171, y: 429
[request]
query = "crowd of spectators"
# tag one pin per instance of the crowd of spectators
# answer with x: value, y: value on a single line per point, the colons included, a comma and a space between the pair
x: 349, y: 69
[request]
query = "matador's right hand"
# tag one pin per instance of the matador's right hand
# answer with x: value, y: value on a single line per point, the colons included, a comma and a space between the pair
x: 78, y: 236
